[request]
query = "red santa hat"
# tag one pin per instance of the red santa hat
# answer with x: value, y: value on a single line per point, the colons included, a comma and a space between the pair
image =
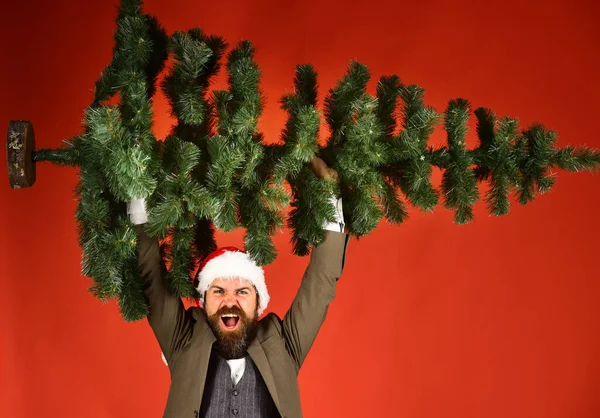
x: 232, y: 263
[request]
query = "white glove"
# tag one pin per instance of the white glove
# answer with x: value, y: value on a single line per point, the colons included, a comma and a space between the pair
x: 338, y: 225
x: 136, y: 209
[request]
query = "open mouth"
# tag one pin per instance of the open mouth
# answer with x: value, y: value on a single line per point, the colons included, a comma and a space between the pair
x: 230, y: 320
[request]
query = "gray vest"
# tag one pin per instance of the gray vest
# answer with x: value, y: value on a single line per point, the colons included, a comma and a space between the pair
x: 250, y: 398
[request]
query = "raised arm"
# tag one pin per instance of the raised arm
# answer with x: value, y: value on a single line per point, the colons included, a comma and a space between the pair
x: 167, y: 316
x: 307, y: 313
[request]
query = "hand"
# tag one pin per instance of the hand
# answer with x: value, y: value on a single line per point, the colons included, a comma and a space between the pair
x: 322, y: 170
x: 136, y: 209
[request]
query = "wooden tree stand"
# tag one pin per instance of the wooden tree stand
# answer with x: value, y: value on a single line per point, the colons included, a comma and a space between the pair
x: 22, y: 156
x: 20, y: 147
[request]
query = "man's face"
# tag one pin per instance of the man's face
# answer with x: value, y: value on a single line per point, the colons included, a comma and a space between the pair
x: 231, y: 306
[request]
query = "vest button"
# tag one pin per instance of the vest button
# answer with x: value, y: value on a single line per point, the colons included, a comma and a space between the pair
x: 234, y: 411
x: 235, y: 393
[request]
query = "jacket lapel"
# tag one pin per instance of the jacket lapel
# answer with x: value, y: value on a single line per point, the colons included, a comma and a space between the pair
x: 203, y: 348
x: 257, y: 354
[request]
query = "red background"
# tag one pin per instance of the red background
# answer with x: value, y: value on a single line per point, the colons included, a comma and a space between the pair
x: 498, y: 318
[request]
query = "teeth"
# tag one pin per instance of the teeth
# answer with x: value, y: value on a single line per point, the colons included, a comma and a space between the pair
x: 229, y: 316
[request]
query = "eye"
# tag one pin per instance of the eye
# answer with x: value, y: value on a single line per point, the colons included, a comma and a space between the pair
x: 217, y: 290
x: 242, y: 292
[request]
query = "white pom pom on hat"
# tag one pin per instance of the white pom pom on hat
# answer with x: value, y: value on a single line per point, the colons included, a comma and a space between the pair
x: 232, y: 263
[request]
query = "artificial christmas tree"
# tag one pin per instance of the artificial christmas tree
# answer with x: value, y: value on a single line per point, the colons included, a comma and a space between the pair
x: 214, y: 171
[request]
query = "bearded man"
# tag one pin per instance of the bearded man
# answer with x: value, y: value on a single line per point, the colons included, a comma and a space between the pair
x: 223, y: 360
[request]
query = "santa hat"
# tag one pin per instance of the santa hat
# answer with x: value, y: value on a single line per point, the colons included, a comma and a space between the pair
x: 232, y: 263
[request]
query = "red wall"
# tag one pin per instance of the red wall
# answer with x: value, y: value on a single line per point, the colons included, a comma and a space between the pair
x: 498, y: 318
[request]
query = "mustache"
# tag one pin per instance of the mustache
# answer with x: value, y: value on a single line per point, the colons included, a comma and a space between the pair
x: 233, y: 310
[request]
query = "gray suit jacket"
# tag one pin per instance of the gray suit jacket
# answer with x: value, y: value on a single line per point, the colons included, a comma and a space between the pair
x: 279, y: 349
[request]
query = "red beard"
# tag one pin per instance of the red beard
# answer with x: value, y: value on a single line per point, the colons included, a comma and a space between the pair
x: 233, y: 344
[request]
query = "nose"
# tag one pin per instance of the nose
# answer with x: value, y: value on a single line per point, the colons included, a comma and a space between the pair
x: 230, y: 300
